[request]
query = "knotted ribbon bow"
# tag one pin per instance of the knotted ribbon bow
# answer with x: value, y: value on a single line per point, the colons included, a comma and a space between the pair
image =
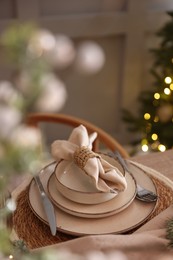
x: 78, y: 148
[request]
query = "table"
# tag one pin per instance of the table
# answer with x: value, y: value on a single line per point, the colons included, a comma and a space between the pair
x: 160, y: 161
x: 152, y: 234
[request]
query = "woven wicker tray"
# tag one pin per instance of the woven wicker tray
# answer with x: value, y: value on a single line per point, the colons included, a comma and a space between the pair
x: 29, y: 228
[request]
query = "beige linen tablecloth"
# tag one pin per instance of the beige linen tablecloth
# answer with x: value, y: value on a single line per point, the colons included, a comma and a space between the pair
x: 148, y: 242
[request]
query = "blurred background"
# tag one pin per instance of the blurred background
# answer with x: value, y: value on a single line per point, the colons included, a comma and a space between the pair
x: 97, y: 54
x: 107, y: 61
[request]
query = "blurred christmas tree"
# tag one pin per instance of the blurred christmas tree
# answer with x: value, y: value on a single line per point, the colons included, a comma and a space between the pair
x: 155, y: 117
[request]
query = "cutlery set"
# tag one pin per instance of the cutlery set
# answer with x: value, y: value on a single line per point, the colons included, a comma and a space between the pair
x: 145, y: 195
x: 142, y: 193
x: 47, y: 205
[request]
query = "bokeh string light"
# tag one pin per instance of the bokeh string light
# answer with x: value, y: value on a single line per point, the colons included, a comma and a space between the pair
x: 153, y: 119
x: 167, y: 112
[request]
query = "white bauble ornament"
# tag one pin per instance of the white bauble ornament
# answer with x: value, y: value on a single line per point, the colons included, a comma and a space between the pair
x: 90, y: 58
x: 53, y: 95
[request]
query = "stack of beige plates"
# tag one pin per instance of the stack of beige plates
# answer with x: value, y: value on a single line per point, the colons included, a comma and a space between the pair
x: 83, y: 210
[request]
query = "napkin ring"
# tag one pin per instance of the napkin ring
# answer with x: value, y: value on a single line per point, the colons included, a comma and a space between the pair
x: 82, y: 155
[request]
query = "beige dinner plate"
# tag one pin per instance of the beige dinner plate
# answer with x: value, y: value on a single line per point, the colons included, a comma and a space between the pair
x: 126, y: 220
x: 105, y: 209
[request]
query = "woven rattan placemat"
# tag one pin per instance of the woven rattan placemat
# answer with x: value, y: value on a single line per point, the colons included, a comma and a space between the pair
x: 37, y: 234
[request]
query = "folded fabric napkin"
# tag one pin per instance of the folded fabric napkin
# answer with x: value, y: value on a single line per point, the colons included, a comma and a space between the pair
x: 78, y: 148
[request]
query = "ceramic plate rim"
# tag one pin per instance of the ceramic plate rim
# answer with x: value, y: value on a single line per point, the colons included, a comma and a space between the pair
x: 97, y: 214
x: 70, y: 231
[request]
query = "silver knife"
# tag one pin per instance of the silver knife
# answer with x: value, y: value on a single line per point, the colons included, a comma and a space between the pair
x: 47, y: 205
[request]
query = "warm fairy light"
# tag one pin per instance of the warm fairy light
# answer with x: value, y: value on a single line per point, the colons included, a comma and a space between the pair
x: 167, y: 91
x: 161, y: 148
x: 156, y: 95
x: 156, y: 119
x: 145, y: 148
x: 147, y: 116
x: 144, y: 141
x: 168, y: 80
x: 154, y: 137
x: 11, y: 257
x: 171, y: 86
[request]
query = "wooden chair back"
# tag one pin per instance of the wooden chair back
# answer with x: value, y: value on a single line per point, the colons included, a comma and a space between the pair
x: 103, y: 137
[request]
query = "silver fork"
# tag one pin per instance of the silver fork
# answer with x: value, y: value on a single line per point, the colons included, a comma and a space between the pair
x: 142, y: 193
x: 145, y: 194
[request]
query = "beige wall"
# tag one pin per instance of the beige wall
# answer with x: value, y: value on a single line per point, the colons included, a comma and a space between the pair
x: 123, y: 28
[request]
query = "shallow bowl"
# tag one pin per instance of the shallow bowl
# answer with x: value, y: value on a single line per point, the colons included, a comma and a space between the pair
x: 74, y: 184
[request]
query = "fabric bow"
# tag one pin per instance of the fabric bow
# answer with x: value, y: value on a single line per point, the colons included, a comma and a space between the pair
x: 78, y: 148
